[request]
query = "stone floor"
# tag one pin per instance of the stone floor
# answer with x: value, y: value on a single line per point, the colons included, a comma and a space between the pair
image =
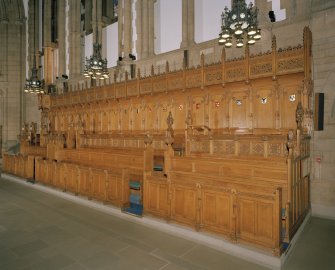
x: 42, y: 231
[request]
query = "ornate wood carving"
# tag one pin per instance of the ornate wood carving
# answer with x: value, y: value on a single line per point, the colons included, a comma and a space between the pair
x: 210, y: 144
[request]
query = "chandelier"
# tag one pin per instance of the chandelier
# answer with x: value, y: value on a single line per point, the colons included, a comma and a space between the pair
x: 96, y: 67
x: 34, y: 85
x: 241, y: 23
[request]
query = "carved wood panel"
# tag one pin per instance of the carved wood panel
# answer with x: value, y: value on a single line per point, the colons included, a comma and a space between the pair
x: 155, y: 197
x: 240, y: 109
x: 98, y: 180
x: 255, y: 220
x: 216, y: 211
x: 115, y: 189
x: 183, y: 205
x: 137, y: 117
x: 179, y: 114
x: 291, y: 96
x: 84, y: 181
x: 72, y: 178
x: 218, y: 111
x: 125, y: 117
x: 149, y: 117
x: 198, y: 110
x: 264, y: 108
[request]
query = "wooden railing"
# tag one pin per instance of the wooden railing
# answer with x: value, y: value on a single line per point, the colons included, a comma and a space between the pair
x: 234, y: 145
x: 298, y: 203
x: 127, y: 140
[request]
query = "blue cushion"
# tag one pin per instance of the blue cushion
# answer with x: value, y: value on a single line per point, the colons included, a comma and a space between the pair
x: 135, y: 184
x: 135, y: 198
x: 158, y: 168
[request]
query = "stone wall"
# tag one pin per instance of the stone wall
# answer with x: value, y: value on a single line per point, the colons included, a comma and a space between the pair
x: 12, y: 78
x: 323, y: 146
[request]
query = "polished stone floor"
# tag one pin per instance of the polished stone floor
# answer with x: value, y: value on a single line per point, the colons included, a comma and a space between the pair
x: 42, y: 231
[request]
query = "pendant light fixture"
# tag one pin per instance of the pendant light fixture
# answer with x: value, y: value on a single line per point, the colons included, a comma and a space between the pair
x: 240, y: 23
x: 96, y: 67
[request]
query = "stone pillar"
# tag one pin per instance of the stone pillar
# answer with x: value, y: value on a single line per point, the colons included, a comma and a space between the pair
x: 46, y: 23
x: 61, y: 38
x: 187, y: 23
x: 33, y: 38
x: 145, y: 29
x: 263, y: 13
x: 184, y: 24
x: 139, y: 29
x: 74, y: 39
x: 0, y: 140
x: 47, y: 44
x: 96, y: 21
x: 190, y: 22
x: 88, y: 17
x: 127, y: 29
x: 120, y: 27
x: 151, y: 41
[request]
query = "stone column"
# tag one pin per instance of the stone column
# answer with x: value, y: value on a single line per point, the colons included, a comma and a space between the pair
x: 46, y: 23
x: 187, y: 23
x: 127, y: 29
x: 184, y: 42
x: 88, y: 17
x: 47, y: 44
x: 145, y: 29
x: 96, y: 21
x: 263, y: 13
x: 190, y: 22
x: 33, y: 38
x: 139, y: 29
x: 74, y: 39
x: 151, y: 36
x: 120, y: 27
x: 61, y: 38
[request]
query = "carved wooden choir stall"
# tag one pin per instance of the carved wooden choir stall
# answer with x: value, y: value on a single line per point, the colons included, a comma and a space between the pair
x: 222, y: 148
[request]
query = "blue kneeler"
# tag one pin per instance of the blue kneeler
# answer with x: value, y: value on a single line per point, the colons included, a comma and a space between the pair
x: 135, y: 199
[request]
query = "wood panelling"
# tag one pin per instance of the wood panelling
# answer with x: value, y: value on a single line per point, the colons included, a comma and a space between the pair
x: 217, y: 208
x: 222, y: 148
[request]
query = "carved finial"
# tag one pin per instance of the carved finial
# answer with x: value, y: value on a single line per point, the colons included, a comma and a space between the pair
x: 290, y: 141
x: 274, y: 43
x: 189, y: 120
x: 299, y: 115
x: 169, y: 120
x: 148, y: 139
x: 169, y: 131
